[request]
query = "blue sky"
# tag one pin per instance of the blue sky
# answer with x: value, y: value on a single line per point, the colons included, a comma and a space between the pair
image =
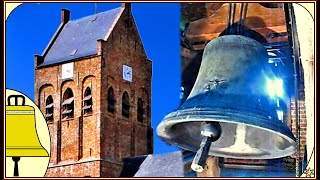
x: 31, y: 25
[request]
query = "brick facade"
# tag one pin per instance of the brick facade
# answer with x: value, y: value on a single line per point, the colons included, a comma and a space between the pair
x: 94, y: 144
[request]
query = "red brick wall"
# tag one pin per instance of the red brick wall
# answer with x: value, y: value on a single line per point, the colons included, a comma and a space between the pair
x: 94, y: 145
x: 45, y: 92
x: 124, y: 47
x: 69, y: 143
x: 48, y: 82
x: 245, y: 161
x: 141, y: 139
x: 90, y: 127
x: 303, y: 122
x: 74, y: 170
x: 110, y: 169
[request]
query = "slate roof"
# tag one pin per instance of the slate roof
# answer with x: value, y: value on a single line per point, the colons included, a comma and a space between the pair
x: 78, y: 38
x: 164, y: 165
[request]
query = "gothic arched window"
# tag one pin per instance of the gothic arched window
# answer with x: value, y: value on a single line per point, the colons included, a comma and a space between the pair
x: 68, y: 104
x: 111, y: 100
x: 125, y: 105
x: 140, y: 111
x: 49, y: 108
x: 87, y: 101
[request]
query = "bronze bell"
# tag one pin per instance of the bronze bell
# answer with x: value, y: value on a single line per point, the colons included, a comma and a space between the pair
x: 230, y: 94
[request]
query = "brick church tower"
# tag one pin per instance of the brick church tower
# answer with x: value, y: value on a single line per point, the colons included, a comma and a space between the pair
x: 93, y: 84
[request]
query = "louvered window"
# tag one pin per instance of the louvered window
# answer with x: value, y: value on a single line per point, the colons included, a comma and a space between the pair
x: 67, y: 104
x: 111, y: 100
x: 140, y: 110
x: 125, y: 105
x: 87, y: 101
x: 49, y: 108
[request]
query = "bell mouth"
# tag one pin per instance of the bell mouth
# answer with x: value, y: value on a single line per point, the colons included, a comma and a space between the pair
x: 240, y: 151
x: 244, y: 136
x: 240, y: 146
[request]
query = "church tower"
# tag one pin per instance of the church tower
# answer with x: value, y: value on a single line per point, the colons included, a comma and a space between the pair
x: 93, y: 85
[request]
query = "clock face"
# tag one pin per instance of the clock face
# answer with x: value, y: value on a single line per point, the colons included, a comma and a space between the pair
x: 127, y: 73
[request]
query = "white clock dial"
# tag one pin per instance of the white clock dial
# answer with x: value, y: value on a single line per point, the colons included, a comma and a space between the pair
x: 127, y: 73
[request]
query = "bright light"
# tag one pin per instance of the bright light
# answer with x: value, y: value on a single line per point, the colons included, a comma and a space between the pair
x: 270, y: 87
x: 278, y: 86
x: 275, y: 87
x: 280, y: 115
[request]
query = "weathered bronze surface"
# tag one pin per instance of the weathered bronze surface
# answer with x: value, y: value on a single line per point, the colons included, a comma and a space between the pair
x: 231, y: 89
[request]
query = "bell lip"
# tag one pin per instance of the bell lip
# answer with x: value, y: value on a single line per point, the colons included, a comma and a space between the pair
x: 19, y: 107
x: 26, y: 152
x: 171, y: 120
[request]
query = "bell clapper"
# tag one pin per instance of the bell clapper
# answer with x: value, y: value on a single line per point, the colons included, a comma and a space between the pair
x: 240, y: 145
x: 16, y: 168
x: 210, y: 132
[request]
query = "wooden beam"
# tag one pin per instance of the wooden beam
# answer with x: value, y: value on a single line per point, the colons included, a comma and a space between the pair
x: 259, y: 18
x: 211, y: 168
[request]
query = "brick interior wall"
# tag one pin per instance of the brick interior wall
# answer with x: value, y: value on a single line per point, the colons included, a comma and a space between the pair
x: 303, y: 122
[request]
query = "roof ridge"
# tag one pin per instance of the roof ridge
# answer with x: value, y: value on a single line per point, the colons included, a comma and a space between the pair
x: 92, y: 15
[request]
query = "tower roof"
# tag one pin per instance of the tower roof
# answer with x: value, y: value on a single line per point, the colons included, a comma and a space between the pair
x: 78, y: 38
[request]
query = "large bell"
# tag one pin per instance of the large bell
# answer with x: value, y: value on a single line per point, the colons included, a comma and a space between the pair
x: 230, y: 91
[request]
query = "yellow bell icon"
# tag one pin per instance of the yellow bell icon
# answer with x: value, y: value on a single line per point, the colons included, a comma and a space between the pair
x: 21, y: 134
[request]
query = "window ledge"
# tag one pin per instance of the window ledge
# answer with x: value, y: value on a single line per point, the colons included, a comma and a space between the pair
x: 87, y: 114
x: 67, y: 119
x: 49, y: 122
x: 142, y: 123
x: 111, y: 114
x: 125, y: 119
